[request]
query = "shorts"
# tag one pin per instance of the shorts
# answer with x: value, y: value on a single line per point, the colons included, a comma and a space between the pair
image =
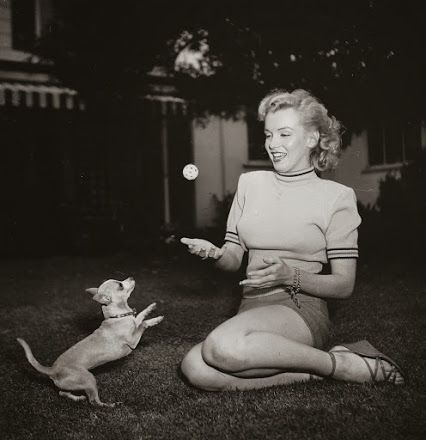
x: 313, y: 310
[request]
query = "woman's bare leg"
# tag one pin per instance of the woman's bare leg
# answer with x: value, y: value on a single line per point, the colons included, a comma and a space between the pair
x: 272, y: 321
x: 201, y: 375
x: 262, y: 347
x: 271, y: 337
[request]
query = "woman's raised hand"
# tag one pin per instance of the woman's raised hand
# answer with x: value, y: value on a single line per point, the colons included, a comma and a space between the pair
x: 274, y: 273
x: 203, y: 248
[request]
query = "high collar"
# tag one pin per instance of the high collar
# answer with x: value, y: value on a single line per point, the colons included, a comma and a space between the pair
x: 300, y: 176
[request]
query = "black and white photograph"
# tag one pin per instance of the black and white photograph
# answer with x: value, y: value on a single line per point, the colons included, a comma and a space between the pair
x: 213, y: 219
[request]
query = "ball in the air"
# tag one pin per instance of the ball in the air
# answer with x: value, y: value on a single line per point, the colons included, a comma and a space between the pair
x: 190, y: 171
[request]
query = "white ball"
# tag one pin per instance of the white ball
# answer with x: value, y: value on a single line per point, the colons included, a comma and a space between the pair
x: 190, y: 171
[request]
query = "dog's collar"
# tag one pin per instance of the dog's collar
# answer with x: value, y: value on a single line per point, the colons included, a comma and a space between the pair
x: 122, y: 315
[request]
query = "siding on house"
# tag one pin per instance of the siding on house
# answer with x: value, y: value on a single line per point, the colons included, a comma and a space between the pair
x: 5, y: 26
x: 354, y: 170
x: 220, y: 151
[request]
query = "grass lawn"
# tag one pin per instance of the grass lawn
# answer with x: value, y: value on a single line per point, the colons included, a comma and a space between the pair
x: 44, y: 302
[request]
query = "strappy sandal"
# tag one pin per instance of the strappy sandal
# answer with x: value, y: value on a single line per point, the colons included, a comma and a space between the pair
x: 365, y: 350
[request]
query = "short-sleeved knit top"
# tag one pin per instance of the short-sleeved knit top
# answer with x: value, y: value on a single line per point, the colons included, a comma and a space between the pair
x: 299, y: 217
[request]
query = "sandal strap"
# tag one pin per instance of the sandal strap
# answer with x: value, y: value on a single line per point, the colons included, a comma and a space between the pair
x: 379, y: 363
x: 333, y: 364
x: 373, y: 374
x: 392, y: 370
x: 385, y: 376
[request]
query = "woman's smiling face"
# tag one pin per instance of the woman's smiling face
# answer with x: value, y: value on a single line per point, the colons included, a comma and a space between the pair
x: 287, y: 142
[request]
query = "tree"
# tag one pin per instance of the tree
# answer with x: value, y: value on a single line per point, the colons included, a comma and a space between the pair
x: 362, y: 57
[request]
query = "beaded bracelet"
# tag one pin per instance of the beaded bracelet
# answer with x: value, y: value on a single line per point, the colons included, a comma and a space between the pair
x: 294, y: 290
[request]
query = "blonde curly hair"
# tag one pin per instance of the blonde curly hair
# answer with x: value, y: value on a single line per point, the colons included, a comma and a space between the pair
x: 325, y: 155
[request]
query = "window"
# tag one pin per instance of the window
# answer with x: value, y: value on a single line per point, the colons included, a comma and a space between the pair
x: 256, y: 137
x: 393, y: 142
x: 23, y: 24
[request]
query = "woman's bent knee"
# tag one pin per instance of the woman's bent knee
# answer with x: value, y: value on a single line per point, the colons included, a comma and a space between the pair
x: 199, y: 374
x: 226, y: 353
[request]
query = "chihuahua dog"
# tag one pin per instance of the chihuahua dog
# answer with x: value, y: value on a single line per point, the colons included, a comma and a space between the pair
x: 117, y: 337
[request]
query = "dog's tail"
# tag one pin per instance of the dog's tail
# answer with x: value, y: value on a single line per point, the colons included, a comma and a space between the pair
x: 32, y: 360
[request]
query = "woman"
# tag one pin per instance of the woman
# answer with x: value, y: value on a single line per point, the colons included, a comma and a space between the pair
x: 290, y: 222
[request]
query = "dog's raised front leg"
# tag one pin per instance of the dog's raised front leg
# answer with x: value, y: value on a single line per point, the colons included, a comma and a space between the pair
x: 142, y: 315
x: 151, y: 322
x: 140, y: 329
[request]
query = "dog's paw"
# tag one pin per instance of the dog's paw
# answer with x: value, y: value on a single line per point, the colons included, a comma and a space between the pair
x: 150, y: 308
x: 153, y: 321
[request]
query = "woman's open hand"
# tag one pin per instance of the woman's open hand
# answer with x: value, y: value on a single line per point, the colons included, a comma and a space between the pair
x: 275, y: 273
x: 203, y: 248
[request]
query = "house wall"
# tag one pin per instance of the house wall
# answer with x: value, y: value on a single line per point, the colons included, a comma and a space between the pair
x: 353, y: 170
x: 43, y: 14
x: 220, y: 150
x: 5, y: 25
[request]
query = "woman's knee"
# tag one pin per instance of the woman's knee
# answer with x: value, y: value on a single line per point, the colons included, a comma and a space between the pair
x: 198, y: 373
x: 225, y: 352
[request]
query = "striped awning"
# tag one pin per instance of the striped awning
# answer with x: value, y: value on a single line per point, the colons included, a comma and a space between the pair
x: 37, y: 96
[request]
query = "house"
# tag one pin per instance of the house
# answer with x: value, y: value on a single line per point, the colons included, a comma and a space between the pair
x: 74, y: 175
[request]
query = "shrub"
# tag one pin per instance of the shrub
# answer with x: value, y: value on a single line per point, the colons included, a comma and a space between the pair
x: 397, y: 224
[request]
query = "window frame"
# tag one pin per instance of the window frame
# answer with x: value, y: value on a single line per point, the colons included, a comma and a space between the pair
x: 382, y: 127
x: 26, y: 44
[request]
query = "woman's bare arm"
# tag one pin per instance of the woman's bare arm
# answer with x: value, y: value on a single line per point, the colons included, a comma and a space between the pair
x: 339, y: 284
x: 227, y: 258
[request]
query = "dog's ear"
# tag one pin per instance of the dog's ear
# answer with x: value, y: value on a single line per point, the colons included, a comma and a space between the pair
x: 102, y: 298
x: 92, y: 290
x: 99, y: 297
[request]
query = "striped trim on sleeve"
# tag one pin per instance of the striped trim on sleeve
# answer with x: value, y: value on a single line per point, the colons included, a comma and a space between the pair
x: 347, y: 252
x: 232, y: 237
